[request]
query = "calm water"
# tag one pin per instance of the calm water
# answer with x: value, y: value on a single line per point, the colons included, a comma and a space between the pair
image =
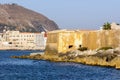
x: 25, y: 69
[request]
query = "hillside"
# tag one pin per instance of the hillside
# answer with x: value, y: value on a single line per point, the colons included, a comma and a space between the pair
x: 15, y: 17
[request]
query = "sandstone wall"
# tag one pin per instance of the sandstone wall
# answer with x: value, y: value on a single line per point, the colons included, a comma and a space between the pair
x: 63, y: 41
x: 52, y: 43
x: 102, y: 38
x: 66, y: 39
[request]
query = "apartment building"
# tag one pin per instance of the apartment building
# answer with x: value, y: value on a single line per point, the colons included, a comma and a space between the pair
x: 23, y: 40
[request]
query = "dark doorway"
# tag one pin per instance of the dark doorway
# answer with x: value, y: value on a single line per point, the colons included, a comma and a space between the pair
x: 70, y: 46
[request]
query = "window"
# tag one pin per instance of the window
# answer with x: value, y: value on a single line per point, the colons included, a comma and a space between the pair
x: 70, y: 46
x: 80, y: 45
x: 10, y: 42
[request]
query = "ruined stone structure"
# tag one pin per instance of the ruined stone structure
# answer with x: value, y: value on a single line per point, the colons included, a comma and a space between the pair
x: 62, y: 41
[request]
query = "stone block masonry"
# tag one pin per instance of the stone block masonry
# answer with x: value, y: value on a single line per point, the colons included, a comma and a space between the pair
x: 62, y: 41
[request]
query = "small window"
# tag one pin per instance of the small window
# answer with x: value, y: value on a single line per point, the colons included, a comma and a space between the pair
x: 70, y: 46
x: 10, y: 42
x: 16, y: 45
x: 80, y: 45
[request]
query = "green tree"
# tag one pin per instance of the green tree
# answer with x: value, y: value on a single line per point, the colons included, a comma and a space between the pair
x: 106, y: 26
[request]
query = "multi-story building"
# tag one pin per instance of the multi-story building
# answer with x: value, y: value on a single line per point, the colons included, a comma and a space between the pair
x: 23, y: 40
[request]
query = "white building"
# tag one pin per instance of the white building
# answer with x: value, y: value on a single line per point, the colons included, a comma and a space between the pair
x: 23, y: 40
x: 115, y: 26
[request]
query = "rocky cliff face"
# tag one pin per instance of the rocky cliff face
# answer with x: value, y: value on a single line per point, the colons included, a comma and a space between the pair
x: 15, y: 17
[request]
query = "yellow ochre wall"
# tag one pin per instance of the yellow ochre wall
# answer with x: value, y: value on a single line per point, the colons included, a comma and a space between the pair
x: 59, y: 41
x: 52, y: 43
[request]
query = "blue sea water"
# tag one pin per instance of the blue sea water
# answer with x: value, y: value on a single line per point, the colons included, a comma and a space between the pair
x: 26, y: 69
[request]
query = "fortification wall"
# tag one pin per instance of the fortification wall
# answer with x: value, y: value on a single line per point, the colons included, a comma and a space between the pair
x: 52, y: 43
x: 63, y: 41
x: 102, y: 38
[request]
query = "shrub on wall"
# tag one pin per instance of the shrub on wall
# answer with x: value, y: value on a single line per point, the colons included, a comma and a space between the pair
x: 82, y: 48
x: 105, y: 48
x: 106, y: 26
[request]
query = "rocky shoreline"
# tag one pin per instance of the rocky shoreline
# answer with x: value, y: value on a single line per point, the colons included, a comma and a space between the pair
x: 108, y: 58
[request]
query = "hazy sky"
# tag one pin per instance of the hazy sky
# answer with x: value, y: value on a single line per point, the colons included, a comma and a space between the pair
x: 75, y: 14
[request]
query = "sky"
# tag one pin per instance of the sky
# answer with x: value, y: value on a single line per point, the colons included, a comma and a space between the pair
x: 75, y: 14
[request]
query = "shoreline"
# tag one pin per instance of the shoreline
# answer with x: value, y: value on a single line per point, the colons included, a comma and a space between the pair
x: 104, y: 60
x: 21, y: 49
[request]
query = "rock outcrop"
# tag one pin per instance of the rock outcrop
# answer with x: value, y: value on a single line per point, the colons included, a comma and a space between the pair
x: 108, y: 58
x: 15, y: 17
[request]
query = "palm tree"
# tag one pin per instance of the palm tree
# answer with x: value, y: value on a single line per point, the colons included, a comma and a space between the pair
x: 106, y: 26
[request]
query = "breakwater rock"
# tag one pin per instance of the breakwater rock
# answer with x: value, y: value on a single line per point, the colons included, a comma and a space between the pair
x: 108, y: 58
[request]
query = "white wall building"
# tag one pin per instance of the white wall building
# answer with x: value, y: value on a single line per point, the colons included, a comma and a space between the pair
x: 115, y: 26
x: 23, y: 40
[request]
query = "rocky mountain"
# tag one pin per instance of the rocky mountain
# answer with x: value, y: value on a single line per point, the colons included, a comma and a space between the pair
x: 15, y: 17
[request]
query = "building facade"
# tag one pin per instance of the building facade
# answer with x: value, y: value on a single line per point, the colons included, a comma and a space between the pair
x: 23, y: 40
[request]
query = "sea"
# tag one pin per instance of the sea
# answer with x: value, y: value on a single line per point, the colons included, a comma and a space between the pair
x: 27, y: 69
